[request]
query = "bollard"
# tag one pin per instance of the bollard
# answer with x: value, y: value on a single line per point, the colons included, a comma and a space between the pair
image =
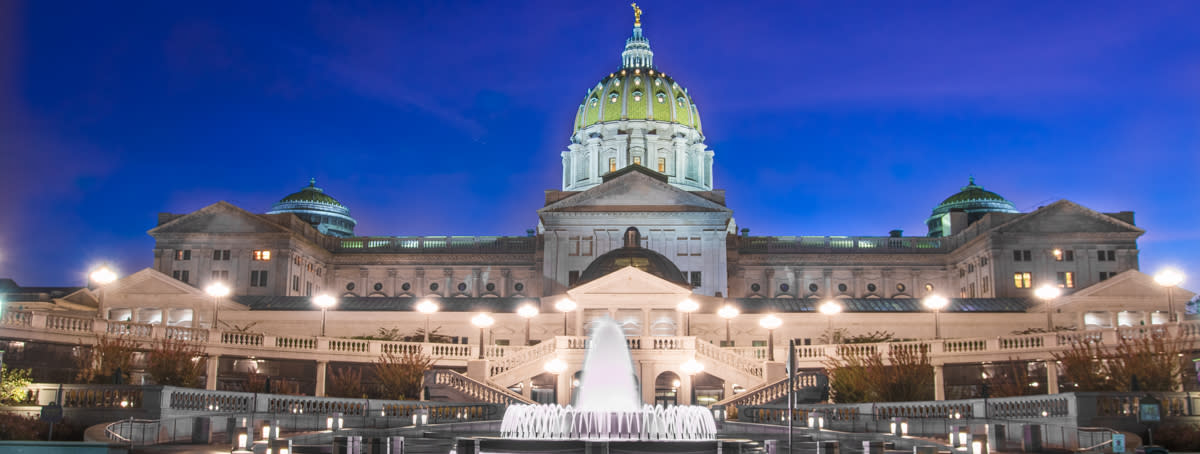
x: 397, y: 445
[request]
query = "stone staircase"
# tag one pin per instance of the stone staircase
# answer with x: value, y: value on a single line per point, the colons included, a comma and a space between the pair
x: 515, y: 367
x: 729, y: 366
x: 456, y: 387
x: 808, y: 387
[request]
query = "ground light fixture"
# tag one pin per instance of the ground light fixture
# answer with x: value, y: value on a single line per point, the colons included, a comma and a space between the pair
x: 528, y: 312
x: 770, y: 323
x: 565, y: 305
x: 936, y: 303
x: 687, y: 306
x: 483, y: 321
x: 728, y: 312
x: 324, y: 302
x: 427, y: 307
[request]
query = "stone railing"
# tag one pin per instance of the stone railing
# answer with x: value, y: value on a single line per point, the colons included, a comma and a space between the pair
x: 473, y: 389
x: 536, y: 353
x: 862, y: 244
x: 68, y: 324
x: 15, y: 318
x: 747, y: 366
x: 439, y: 244
x: 767, y: 393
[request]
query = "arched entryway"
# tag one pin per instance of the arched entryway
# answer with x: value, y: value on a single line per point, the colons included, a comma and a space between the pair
x: 666, y: 389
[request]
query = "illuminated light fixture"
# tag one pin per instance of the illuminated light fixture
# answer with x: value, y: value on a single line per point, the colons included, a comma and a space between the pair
x: 427, y: 307
x: 528, y: 312
x: 687, y: 306
x: 565, y: 306
x: 770, y: 323
x: 104, y: 275
x: 728, y: 312
x: 482, y: 321
x: 1169, y: 278
x: 324, y: 302
x: 936, y: 303
x: 1048, y: 293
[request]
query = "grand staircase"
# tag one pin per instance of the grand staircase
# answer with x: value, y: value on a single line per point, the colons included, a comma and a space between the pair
x: 453, y: 386
x: 809, y: 387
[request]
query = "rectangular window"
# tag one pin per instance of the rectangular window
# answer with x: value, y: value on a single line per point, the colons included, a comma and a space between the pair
x: 183, y: 255
x: 681, y: 246
x: 1069, y: 255
x: 220, y: 254
x: 983, y: 261
x: 297, y: 260
x: 572, y: 277
x: 1022, y: 256
x: 694, y: 246
x: 181, y: 276
x: 970, y: 267
x: 1023, y: 279
x: 262, y: 256
x: 295, y: 283
x: 1112, y: 255
x: 1066, y: 279
x: 696, y: 282
x: 573, y: 246
x: 637, y: 160
x: 971, y: 290
x: 962, y: 272
x: 1105, y: 275
x: 221, y: 275
x: 258, y: 278
x: 962, y: 292
x: 662, y: 165
x: 986, y: 287
x: 308, y: 289
x: 1106, y: 256
x: 612, y: 164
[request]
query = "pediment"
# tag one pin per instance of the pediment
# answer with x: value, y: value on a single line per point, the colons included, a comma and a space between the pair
x: 1065, y: 216
x: 628, y: 281
x: 151, y: 282
x: 220, y: 217
x: 634, y: 191
x: 1129, y: 285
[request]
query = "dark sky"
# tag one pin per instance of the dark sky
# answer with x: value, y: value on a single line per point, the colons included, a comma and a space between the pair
x: 433, y: 118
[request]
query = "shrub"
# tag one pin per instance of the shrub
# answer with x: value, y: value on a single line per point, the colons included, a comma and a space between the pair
x: 175, y: 362
x: 1153, y: 358
x: 345, y: 382
x: 401, y: 376
x: 108, y: 361
x: 14, y: 426
x: 13, y: 384
x: 860, y: 375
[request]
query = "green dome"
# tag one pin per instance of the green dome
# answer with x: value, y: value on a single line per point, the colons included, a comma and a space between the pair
x: 973, y: 192
x: 311, y: 193
x: 971, y: 199
x: 637, y: 94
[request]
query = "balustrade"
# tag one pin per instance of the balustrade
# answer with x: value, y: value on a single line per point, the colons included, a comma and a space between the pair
x: 69, y: 324
x: 296, y: 343
x: 119, y: 328
x: 186, y: 334
x: 15, y: 318
x: 239, y: 338
x: 349, y: 346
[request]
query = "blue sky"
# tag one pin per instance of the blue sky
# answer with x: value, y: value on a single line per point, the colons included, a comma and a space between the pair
x: 432, y: 118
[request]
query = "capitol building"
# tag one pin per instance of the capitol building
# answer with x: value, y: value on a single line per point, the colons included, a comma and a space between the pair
x: 637, y: 230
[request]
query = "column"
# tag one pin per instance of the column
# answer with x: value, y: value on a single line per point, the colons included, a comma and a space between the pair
x: 939, y: 382
x: 1051, y: 376
x: 165, y: 316
x: 210, y: 372
x: 421, y: 288
x: 321, y: 369
x: 527, y: 388
x: 646, y: 322
x: 476, y: 285
x: 684, y: 395
x: 563, y: 387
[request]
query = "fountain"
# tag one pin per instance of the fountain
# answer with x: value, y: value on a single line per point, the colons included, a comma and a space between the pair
x: 609, y: 405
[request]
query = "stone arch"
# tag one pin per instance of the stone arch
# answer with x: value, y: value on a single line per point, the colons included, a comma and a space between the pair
x: 666, y: 388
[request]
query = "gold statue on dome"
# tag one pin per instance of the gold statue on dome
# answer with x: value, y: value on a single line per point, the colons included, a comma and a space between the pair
x: 637, y: 15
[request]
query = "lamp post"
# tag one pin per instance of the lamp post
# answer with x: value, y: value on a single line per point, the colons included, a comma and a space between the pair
x: 770, y: 322
x: 1048, y: 293
x: 830, y: 308
x: 692, y: 367
x: 687, y: 306
x: 102, y: 276
x: 324, y: 302
x: 217, y: 290
x: 528, y: 312
x: 427, y: 307
x: 555, y: 367
x: 936, y: 303
x: 728, y: 312
x: 482, y: 321
x: 1169, y: 278
x: 565, y: 306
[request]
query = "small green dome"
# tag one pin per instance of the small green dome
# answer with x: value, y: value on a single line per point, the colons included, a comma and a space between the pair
x: 637, y: 94
x: 311, y: 193
x: 971, y: 199
x: 973, y: 193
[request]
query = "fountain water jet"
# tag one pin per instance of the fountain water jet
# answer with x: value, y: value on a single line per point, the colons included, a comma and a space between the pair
x: 609, y: 405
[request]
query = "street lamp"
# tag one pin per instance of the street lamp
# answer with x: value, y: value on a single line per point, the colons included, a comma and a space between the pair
x: 830, y: 308
x: 565, y: 306
x: 482, y: 321
x: 687, y: 306
x: 936, y: 303
x: 692, y: 367
x: 555, y: 367
x: 770, y: 322
x: 1169, y: 278
x: 728, y: 312
x: 528, y: 312
x: 102, y: 276
x: 217, y: 290
x: 324, y: 302
x: 427, y: 307
x: 1048, y: 293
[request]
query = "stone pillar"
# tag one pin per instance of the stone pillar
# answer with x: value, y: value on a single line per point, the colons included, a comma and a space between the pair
x: 421, y: 289
x: 646, y: 322
x: 321, y: 369
x: 476, y: 285
x: 1051, y: 377
x: 210, y: 372
x: 527, y: 388
x: 563, y: 388
x: 477, y: 369
x: 939, y: 382
x: 684, y: 395
x: 165, y: 316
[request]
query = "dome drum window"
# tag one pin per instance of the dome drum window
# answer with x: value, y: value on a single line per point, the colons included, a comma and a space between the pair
x: 637, y: 96
x: 406, y: 286
x: 378, y: 287
x: 519, y: 287
x: 491, y: 287
x: 612, y: 98
x: 661, y: 98
x: 871, y: 288
x: 433, y: 286
x: 842, y: 288
x: 901, y: 287
x: 637, y: 81
x: 813, y: 288
x: 595, y: 101
x: 755, y: 288
x: 462, y: 286
x: 784, y: 287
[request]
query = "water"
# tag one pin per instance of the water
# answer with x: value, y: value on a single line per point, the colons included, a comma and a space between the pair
x: 609, y: 404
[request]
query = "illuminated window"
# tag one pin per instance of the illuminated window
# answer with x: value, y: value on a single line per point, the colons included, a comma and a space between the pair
x: 661, y: 98
x: 657, y: 82
x: 928, y: 287
x: 1023, y: 279
x: 297, y: 260
x: 595, y: 101
x: 637, y: 96
x: 183, y: 255
x: 1066, y: 279
x: 308, y: 288
x: 612, y: 164
x: 262, y: 256
x: 1063, y: 256
x: 662, y: 165
x: 637, y: 160
x: 679, y: 102
x: 900, y: 287
x: 637, y: 80
x: 612, y: 98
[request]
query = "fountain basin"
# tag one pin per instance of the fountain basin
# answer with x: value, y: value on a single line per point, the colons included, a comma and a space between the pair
x: 658, y: 423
